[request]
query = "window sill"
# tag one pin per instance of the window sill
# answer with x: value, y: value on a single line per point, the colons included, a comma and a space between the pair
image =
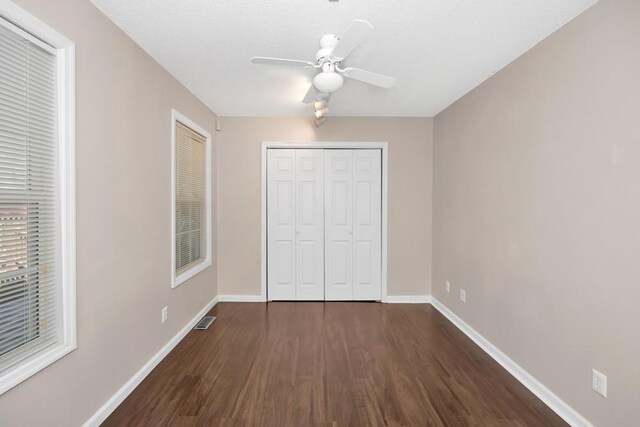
x: 24, y: 370
x: 188, y: 274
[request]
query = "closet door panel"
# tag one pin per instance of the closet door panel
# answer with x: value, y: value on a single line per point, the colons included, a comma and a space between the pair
x: 281, y: 239
x: 338, y: 225
x: 309, y: 224
x: 367, y: 224
x: 324, y: 215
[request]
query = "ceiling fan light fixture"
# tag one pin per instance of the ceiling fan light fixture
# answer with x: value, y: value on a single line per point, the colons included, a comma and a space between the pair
x: 328, y: 81
x: 329, y: 60
x: 320, y: 104
x: 319, y: 122
x: 321, y: 113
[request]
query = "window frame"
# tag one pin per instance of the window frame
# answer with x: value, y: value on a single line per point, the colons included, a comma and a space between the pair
x: 32, y: 28
x: 183, y: 276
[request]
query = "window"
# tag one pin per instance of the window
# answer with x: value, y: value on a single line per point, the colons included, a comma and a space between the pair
x: 191, y: 199
x: 37, y: 238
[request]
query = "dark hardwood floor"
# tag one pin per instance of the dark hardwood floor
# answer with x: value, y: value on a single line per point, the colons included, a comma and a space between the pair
x: 330, y: 364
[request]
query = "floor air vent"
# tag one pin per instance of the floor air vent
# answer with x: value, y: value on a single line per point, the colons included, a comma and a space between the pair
x: 205, y: 322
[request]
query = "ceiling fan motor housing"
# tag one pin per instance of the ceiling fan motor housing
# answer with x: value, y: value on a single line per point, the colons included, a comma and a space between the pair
x: 327, y: 44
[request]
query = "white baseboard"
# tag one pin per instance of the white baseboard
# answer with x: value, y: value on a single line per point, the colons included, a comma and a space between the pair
x: 392, y: 299
x: 134, y: 381
x: 556, y: 404
x: 240, y: 298
x: 408, y: 299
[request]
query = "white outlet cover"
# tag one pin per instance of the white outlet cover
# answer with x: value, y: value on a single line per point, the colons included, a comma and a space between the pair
x: 165, y: 314
x: 599, y: 383
x: 448, y: 286
x: 463, y: 296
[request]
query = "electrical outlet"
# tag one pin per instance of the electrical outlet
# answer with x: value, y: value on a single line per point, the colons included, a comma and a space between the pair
x: 165, y: 314
x: 599, y: 382
x: 448, y: 286
x: 463, y: 295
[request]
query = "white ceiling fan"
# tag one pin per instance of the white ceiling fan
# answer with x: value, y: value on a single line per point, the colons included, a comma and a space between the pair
x: 333, y: 50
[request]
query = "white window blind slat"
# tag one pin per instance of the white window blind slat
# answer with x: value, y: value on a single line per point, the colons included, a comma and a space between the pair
x: 190, y: 197
x: 29, y: 295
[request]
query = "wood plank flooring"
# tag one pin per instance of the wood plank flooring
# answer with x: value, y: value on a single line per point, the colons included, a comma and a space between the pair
x: 330, y: 364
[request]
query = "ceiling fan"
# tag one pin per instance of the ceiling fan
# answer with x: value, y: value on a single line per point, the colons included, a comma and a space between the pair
x: 333, y: 50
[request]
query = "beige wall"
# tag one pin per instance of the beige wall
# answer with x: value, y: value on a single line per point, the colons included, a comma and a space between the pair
x: 536, y: 183
x: 537, y: 210
x: 409, y: 205
x: 124, y: 102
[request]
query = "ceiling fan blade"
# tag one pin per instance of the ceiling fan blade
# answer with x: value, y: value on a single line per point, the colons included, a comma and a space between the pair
x: 313, y: 94
x: 370, y: 77
x: 281, y: 61
x: 358, y: 31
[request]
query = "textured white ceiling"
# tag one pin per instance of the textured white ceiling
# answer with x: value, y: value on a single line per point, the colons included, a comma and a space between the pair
x: 437, y: 49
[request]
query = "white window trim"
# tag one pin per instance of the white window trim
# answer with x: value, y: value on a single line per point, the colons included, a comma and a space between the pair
x: 178, y: 279
x: 65, y: 51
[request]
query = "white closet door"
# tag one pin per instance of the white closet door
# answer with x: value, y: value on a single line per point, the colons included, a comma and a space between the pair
x: 367, y: 224
x: 281, y: 236
x: 295, y: 224
x: 324, y: 224
x: 310, y: 224
x: 353, y: 224
x: 338, y: 225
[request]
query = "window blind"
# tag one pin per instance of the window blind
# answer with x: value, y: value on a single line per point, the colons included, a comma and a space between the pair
x: 190, y: 197
x: 29, y: 291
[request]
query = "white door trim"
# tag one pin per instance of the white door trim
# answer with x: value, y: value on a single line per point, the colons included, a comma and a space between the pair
x: 383, y: 146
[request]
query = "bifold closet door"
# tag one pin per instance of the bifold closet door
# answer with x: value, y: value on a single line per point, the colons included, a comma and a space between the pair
x: 353, y: 225
x: 295, y: 224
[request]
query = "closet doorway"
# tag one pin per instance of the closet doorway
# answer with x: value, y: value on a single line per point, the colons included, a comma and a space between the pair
x: 324, y: 221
